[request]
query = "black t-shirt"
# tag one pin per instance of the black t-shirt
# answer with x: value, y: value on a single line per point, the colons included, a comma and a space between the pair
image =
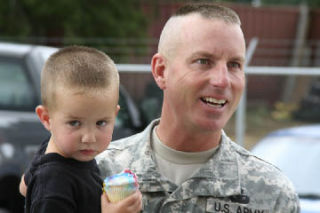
x: 58, y: 184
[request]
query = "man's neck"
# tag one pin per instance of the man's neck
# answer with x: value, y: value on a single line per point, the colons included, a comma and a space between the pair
x: 187, y: 140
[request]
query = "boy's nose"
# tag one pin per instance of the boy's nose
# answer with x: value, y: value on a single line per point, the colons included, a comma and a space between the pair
x: 88, y: 137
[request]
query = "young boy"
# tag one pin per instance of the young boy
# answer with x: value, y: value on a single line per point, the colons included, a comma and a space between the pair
x: 79, y: 92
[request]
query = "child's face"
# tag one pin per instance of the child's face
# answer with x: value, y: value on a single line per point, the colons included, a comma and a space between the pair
x: 82, y: 124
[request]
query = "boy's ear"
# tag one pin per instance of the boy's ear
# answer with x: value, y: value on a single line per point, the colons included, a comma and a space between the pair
x: 43, y: 115
x: 117, y: 110
x: 158, y: 68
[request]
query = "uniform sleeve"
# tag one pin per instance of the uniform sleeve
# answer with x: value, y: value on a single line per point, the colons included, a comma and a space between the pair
x: 287, y: 202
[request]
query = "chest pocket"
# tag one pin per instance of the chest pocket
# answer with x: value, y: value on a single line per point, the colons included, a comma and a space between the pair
x: 220, y: 206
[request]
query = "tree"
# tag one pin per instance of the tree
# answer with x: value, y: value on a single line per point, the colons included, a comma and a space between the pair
x: 72, y: 19
x: 311, y: 3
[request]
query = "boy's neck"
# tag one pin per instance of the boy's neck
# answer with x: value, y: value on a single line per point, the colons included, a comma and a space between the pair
x: 52, y: 148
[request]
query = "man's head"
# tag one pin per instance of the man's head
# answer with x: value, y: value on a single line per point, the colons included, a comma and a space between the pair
x: 80, y: 92
x: 199, y: 67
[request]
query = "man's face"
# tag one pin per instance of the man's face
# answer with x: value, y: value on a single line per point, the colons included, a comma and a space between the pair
x: 204, y: 78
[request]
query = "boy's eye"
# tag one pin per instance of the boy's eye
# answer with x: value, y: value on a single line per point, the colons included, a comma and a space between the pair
x: 101, y: 123
x: 74, y: 123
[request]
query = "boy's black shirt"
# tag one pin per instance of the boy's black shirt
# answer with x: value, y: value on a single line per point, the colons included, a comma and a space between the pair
x: 58, y: 184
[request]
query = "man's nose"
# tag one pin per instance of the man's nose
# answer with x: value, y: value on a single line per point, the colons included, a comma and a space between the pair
x: 219, y: 76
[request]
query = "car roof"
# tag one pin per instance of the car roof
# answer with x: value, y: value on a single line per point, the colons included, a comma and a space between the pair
x: 295, y: 151
x: 14, y: 49
x: 19, y: 50
x: 311, y: 131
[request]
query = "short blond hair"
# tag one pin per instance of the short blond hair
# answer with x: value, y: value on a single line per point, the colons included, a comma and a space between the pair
x: 77, y: 67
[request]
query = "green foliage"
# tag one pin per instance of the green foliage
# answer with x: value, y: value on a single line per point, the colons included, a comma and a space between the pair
x: 12, y: 21
x: 72, y: 18
x: 311, y: 3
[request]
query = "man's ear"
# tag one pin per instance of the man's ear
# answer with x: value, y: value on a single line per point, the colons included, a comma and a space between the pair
x: 158, y: 67
x: 43, y: 115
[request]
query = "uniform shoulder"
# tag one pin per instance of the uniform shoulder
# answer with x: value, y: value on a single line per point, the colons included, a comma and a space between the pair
x: 120, y: 154
x: 125, y: 143
x: 250, y: 160
x: 270, y: 178
x: 258, y: 166
x: 133, y: 141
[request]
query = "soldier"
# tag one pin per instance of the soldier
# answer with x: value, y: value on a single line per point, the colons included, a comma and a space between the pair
x: 184, y: 160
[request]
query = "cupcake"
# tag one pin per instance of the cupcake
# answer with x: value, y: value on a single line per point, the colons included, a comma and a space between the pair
x: 121, y: 185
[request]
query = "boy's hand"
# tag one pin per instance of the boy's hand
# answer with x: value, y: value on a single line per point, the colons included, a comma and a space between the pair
x: 22, y: 187
x: 131, y: 204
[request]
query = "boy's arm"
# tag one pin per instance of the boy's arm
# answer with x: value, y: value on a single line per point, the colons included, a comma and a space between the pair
x: 23, y: 187
x: 28, y: 172
x: 131, y: 204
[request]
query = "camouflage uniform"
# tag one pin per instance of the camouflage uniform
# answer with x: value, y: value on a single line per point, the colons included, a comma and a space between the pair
x: 232, y: 181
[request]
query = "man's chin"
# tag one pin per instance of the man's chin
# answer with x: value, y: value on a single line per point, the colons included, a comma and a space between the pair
x: 211, y: 125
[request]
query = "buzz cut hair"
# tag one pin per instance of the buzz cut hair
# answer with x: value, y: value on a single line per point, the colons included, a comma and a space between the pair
x: 210, y: 10
x: 77, y: 67
x: 171, y: 31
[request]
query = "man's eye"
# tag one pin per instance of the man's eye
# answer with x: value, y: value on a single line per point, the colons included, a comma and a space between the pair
x: 203, y: 61
x: 101, y: 123
x: 234, y: 65
x: 74, y: 123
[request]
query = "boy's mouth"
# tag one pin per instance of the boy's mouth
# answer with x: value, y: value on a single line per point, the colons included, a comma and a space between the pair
x: 87, y: 152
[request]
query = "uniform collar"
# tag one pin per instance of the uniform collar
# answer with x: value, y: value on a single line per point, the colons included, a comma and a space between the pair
x: 219, y: 177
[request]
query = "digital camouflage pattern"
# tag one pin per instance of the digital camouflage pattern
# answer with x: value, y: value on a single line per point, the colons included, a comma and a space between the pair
x: 232, y: 181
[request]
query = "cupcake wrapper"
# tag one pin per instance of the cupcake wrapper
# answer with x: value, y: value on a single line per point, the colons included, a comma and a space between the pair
x: 116, y: 194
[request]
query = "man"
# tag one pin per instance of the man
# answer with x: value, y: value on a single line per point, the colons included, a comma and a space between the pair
x: 184, y: 161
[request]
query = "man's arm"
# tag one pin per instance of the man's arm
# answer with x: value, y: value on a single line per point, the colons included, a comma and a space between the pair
x: 288, y: 202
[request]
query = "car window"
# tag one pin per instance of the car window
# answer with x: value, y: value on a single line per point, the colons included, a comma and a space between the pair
x: 16, y: 92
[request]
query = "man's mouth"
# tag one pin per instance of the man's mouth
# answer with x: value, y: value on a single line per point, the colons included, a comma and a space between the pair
x: 214, y: 102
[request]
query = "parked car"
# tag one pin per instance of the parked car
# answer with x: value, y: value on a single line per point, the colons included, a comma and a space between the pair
x: 296, y: 151
x: 20, y: 130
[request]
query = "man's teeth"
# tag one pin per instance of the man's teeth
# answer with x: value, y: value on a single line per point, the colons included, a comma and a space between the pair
x: 213, y: 101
